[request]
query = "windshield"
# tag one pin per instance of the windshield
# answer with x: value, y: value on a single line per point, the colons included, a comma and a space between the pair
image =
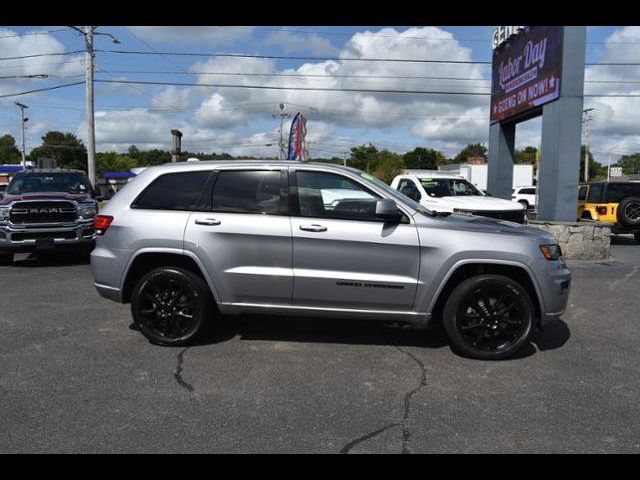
x: 67, y: 182
x: 396, y: 194
x: 449, y: 187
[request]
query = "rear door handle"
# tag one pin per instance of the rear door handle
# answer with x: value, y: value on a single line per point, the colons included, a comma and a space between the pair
x: 313, y: 228
x: 207, y: 221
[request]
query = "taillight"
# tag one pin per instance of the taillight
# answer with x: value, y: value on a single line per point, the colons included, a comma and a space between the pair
x: 101, y: 223
x: 601, y: 210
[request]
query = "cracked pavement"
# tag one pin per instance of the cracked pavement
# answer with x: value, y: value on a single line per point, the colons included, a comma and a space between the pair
x: 74, y: 377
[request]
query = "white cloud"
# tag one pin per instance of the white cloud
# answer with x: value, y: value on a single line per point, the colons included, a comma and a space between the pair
x: 216, y: 112
x: 172, y: 97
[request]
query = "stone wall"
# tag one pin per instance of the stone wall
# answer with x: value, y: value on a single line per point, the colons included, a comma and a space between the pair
x: 580, y: 240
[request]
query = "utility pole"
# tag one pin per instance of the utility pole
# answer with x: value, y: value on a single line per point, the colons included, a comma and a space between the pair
x: 23, y: 120
x: 282, y: 116
x: 587, y: 119
x: 88, y: 32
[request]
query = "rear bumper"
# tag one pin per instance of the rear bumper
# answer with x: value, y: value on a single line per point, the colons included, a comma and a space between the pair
x: 14, y: 238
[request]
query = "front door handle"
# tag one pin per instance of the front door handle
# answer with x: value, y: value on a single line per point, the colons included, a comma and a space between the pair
x: 207, y: 221
x: 313, y: 228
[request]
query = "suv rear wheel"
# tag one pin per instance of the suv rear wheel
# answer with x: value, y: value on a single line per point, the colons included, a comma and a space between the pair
x: 488, y: 317
x: 172, y: 306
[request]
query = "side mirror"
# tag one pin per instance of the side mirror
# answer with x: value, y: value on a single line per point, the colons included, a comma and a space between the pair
x: 388, y: 210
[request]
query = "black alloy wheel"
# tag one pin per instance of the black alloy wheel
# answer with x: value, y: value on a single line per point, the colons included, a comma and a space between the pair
x: 172, y: 306
x: 489, y: 317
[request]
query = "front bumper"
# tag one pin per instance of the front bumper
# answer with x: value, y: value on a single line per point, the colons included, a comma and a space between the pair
x: 554, y: 281
x: 27, y: 238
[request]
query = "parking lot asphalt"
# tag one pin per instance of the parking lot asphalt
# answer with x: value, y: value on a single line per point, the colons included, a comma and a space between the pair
x: 74, y: 377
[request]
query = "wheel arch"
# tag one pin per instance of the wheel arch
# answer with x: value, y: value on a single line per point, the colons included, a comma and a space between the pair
x: 468, y: 268
x: 148, y: 259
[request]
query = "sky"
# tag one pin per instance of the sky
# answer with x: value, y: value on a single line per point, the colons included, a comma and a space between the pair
x: 241, y: 121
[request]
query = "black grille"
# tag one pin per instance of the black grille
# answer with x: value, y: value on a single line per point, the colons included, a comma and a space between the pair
x: 509, y: 215
x: 43, y: 212
x: 20, y: 237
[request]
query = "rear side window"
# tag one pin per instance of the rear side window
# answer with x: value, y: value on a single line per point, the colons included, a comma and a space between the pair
x: 595, y: 193
x: 582, y: 192
x: 173, y: 191
x: 248, y: 191
x: 528, y: 191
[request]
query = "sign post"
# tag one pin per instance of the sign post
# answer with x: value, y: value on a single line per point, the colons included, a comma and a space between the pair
x: 538, y: 71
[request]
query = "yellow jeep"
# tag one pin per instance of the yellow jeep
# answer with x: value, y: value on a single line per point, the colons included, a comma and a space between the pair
x: 612, y: 202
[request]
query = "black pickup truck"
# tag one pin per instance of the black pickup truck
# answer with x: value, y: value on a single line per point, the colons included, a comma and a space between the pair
x: 44, y: 210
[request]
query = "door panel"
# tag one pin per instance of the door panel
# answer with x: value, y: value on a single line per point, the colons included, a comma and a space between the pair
x: 247, y: 255
x: 245, y: 241
x: 359, y: 263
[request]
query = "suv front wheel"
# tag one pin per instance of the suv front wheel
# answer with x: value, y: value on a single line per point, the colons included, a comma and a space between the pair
x: 488, y: 317
x: 172, y: 306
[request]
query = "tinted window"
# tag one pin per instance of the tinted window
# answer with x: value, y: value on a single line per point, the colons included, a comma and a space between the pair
x: 618, y: 191
x: 327, y: 195
x: 246, y: 191
x: 595, y: 193
x: 582, y: 192
x: 528, y: 191
x: 445, y: 187
x: 173, y: 191
x: 408, y: 188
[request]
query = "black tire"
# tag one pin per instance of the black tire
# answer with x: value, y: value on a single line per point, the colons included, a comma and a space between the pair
x: 6, y: 258
x: 637, y: 237
x: 525, y: 203
x: 629, y: 212
x: 172, y: 306
x: 489, y: 317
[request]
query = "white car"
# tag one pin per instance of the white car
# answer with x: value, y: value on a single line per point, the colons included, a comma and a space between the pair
x: 525, y: 195
x: 453, y: 193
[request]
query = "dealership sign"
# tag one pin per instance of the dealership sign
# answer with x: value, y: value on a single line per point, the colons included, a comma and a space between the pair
x: 526, y: 71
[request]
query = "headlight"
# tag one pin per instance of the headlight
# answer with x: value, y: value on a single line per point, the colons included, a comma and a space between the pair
x: 4, y: 213
x: 551, y: 252
x: 87, y: 211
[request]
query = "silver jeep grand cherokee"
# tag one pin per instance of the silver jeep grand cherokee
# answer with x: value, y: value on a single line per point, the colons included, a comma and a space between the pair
x: 188, y: 241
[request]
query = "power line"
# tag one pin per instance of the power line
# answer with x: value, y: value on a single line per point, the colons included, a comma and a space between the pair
x: 44, y: 32
x: 286, y: 57
x: 52, y: 54
x: 55, y: 87
x: 272, y: 87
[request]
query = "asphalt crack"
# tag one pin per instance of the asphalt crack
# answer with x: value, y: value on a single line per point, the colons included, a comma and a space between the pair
x: 406, y: 433
x: 406, y: 414
x: 366, y: 437
x: 178, y: 373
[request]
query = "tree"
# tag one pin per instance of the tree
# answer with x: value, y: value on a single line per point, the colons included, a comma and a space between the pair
x: 387, y: 165
x: 363, y: 157
x: 9, y: 153
x: 471, y: 150
x: 630, y: 164
x: 153, y: 157
x: 423, y: 159
x: 67, y: 149
x: 526, y: 156
x: 113, y: 162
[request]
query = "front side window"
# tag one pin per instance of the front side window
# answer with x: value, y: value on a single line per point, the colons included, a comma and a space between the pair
x: 173, y: 191
x: 528, y: 191
x: 327, y: 195
x: 408, y: 188
x: 616, y: 192
x: 248, y: 191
